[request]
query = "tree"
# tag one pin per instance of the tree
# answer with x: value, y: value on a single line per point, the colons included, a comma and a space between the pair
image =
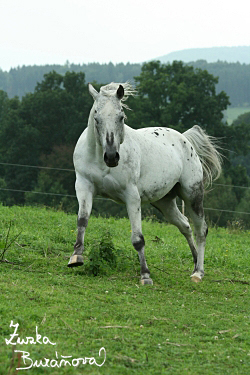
x: 3, y: 102
x: 221, y: 197
x: 53, y: 116
x: 244, y: 206
x: 240, y: 155
x: 59, y: 108
x: 18, y: 145
x: 179, y: 96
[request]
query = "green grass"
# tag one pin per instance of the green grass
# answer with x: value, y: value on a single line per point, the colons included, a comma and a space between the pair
x: 172, y: 327
x: 232, y: 113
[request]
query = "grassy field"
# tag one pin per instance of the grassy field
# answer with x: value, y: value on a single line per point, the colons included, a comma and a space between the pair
x: 172, y: 327
x: 232, y: 113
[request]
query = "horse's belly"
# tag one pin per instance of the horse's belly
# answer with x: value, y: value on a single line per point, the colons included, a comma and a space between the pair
x: 158, y: 181
x: 154, y: 192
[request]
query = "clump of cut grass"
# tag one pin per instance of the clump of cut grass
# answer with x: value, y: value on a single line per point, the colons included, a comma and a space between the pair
x: 102, y: 256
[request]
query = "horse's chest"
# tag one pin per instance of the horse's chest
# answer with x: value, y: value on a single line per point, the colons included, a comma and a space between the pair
x: 107, y: 186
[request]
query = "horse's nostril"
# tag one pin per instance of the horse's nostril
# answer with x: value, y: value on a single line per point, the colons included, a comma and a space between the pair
x: 117, y: 157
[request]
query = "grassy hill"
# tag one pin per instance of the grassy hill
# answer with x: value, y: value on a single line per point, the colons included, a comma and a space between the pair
x: 232, y: 113
x: 172, y: 327
x: 213, y: 54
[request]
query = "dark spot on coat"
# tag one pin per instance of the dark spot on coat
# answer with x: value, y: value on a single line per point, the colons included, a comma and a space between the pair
x: 185, y: 142
x: 191, y: 148
x: 172, y: 144
x: 187, y: 159
x: 191, y: 155
x: 197, y: 201
x: 82, y: 222
x: 156, y: 133
x: 138, y: 245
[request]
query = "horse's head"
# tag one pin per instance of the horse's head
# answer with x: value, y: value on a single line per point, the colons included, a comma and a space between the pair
x: 109, y: 122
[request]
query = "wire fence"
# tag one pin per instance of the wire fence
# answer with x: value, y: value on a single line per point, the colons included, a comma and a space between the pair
x: 72, y: 170
x: 37, y: 166
x: 99, y: 198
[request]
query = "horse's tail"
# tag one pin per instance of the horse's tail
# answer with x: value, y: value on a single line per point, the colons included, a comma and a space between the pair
x: 207, y: 150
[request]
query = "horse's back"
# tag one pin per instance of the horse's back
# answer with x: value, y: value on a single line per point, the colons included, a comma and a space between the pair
x: 164, y: 144
x: 157, y: 136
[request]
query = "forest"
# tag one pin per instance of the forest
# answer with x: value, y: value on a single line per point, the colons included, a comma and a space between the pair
x: 39, y: 129
x: 234, y: 78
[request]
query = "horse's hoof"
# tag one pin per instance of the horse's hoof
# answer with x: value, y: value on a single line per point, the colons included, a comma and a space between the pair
x: 147, y: 282
x: 196, y: 279
x: 75, y: 261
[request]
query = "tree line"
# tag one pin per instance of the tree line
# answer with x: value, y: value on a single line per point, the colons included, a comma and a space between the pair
x: 42, y: 128
x: 234, y: 78
x: 22, y: 80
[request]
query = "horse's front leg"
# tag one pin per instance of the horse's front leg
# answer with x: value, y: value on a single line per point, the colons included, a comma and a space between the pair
x: 84, y: 193
x: 134, y: 212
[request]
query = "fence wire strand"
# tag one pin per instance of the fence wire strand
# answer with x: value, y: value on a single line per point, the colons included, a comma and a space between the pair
x: 100, y: 198
x: 74, y: 196
x: 72, y: 170
x: 38, y: 167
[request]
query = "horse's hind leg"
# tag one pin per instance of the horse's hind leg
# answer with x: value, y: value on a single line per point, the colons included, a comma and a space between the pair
x: 133, y: 204
x: 168, y: 207
x: 193, y: 197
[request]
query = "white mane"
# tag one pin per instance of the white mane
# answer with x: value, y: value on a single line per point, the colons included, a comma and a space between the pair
x: 111, y: 88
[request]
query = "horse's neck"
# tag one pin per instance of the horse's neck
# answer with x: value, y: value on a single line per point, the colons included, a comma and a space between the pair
x: 94, y: 147
x: 90, y: 129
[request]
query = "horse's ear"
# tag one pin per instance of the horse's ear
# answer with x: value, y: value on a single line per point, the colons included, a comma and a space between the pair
x: 120, y: 92
x: 92, y: 91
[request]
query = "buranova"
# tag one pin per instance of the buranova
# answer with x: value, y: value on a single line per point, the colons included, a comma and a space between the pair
x: 59, y: 362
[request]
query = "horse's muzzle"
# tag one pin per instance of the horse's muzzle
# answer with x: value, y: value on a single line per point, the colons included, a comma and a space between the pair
x: 111, y: 159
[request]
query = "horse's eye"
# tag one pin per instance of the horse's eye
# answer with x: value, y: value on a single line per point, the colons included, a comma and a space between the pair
x: 121, y: 118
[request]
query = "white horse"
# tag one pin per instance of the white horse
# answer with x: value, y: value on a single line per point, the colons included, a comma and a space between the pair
x: 152, y: 165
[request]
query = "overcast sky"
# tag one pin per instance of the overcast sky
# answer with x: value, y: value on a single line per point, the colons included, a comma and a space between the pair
x: 81, y: 31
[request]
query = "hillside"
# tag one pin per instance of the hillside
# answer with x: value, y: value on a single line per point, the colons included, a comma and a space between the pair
x: 171, y: 327
x: 228, y: 54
